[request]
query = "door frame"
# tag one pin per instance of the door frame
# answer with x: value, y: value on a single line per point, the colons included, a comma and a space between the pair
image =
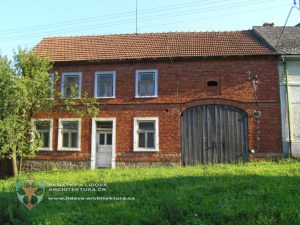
x: 94, y: 140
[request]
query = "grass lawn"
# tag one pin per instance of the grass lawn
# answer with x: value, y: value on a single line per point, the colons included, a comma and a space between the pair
x: 252, y: 193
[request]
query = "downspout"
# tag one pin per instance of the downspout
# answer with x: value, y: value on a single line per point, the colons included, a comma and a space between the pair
x: 288, y: 105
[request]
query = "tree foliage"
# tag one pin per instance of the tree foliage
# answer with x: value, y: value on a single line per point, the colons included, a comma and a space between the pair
x: 26, y: 91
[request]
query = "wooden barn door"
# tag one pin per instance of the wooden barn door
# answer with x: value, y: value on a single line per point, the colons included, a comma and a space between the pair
x: 214, y: 134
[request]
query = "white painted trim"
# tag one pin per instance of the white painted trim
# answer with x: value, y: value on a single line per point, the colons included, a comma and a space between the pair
x: 155, y: 71
x: 70, y: 74
x: 96, y: 82
x: 94, y: 134
x: 59, y: 142
x: 136, y: 148
x: 51, y: 134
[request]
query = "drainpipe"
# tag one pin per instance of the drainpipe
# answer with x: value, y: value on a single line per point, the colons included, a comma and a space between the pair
x: 288, y: 105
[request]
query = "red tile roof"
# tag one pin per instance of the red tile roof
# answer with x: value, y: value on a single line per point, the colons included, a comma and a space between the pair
x: 151, y: 45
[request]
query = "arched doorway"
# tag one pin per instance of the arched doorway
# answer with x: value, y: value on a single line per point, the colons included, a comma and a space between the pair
x: 214, y: 134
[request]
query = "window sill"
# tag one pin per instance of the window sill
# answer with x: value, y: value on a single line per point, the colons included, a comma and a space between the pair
x: 63, y: 98
x: 45, y: 149
x: 112, y: 97
x: 69, y: 149
x: 153, y: 96
x: 145, y: 150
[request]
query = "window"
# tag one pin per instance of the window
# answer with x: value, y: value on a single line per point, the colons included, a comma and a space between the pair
x: 146, y: 134
x: 104, y: 129
x: 71, y: 85
x: 44, y: 130
x: 105, y: 84
x: 146, y: 83
x: 69, y: 134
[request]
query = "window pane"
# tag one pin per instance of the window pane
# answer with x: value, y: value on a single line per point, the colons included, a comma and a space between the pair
x: 104, y: 125
x: 71, y: 85
x: 150, y: 89
x: 74, y: 140
x: 146, y: 126
x: 105, y: 85
x: 105, y: 90
x: 65, y: 139
x: 109, y: 139
x: 142, y: 89
x: 150, y: 140
x: 102, y: 139
x: 142, y: 143
x: 106, y: 78
x: 146, y: 76
x: 146, y: 83
x: 45, y: 139
x: 109, y: 90
x: 42, y: 125
x: 101, y: 90
x: 70, y: 125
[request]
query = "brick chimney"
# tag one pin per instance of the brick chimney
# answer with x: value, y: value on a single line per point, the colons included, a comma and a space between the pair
x: 268, y: 24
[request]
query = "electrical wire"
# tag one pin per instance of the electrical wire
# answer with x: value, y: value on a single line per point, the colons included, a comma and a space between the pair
x: 282, y: 30
x: 202, y: 11
x: 121, y: 19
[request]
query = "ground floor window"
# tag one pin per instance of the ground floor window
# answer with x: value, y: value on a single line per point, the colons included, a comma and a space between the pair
x: 69, y: 134
x: 44, y: 131
x: 146, y: 136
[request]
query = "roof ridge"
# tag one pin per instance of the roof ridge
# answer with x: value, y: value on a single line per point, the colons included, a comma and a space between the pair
x: 147, y: 33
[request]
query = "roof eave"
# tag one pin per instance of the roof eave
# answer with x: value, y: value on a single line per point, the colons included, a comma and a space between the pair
x: 152, y: 59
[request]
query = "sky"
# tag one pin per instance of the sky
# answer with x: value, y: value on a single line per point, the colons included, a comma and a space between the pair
x: 24, y: 23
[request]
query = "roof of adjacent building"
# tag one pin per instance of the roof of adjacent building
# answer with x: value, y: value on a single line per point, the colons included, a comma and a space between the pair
x: 285, y: 40
x: 151, y: 46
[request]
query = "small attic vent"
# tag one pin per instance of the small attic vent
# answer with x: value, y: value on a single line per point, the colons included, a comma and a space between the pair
x: 212, y: 83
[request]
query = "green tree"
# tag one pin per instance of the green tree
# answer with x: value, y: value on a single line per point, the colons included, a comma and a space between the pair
x: 25, y: 91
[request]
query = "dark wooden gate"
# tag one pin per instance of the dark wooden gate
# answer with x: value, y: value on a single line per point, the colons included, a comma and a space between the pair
x: 214, y: 134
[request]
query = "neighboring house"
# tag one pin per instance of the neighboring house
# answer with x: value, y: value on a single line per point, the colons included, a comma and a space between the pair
x: 165, y: 98
x: 286, y: 42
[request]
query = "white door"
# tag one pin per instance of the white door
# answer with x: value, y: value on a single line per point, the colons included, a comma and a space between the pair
x: 104, y: 148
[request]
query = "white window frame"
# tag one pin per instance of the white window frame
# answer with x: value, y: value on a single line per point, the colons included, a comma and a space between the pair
x: 97, y: 73
x: 155, y: 71
x: 136, y: 122
x: 50, y: 134
x: 63, y: 82
x: 60, y: 136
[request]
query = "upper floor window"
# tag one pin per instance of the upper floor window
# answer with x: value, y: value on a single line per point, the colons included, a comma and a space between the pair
x: 146, y: 83
x: 105, y: 82
x: 71, y: 85
x: 44, y: 130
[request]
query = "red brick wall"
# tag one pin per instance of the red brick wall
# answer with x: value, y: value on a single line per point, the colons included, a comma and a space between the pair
x: 181, y: 84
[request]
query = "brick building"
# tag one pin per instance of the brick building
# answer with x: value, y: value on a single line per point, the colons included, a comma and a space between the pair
x: 165, y: 98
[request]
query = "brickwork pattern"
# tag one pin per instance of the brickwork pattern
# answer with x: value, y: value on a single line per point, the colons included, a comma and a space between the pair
x: 181, y: 84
